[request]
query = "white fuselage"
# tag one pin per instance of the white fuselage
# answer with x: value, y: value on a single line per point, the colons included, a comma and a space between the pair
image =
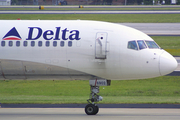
x: 76, y: 49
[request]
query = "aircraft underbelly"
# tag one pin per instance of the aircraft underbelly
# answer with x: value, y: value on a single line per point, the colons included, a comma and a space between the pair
x: 14, y: 69
x: 9, y: 68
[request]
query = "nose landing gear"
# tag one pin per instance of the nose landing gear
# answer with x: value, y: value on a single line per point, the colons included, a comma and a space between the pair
x: 92, y: 108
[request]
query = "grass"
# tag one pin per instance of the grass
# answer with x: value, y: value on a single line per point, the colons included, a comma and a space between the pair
x: 117, y: 18
x: 164, y: 89
x: 24, y: 99
x: 170, y: 43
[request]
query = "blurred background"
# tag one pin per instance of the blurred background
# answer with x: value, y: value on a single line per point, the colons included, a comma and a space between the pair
x: 88, y: 2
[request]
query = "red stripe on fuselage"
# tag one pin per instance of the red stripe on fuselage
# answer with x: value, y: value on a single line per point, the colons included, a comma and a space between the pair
x: 12, y: 38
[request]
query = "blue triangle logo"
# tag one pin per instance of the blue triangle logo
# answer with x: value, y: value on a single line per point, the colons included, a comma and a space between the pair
x: 12, y: 35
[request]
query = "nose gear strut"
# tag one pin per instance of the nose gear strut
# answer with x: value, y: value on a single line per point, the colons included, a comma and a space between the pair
x: 92, y: 108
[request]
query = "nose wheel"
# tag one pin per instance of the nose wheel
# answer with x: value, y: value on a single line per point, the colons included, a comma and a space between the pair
x: 91, y: 109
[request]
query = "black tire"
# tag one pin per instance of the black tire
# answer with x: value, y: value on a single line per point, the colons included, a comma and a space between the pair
x: 91, y: 109
x: 96, y: 109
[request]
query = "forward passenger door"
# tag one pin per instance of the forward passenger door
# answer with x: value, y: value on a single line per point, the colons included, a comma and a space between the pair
x: 101, y: 45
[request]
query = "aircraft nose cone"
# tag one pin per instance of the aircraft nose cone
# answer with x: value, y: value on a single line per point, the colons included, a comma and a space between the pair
x: 167, y: 63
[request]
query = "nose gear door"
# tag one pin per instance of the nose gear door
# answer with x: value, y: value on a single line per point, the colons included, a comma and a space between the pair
x: 101, y: 45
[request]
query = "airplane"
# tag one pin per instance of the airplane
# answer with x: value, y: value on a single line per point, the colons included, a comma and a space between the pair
x: 79, y: 50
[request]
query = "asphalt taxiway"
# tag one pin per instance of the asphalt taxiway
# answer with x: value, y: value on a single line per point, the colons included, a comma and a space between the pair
x: 156, y: 29
x: 93, y: 6
x: 79, y: 114
x: 178, y: 68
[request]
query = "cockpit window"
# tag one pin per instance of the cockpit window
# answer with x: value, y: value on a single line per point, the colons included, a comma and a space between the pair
x: 132, y: 45
x: 152, y: 45
x: 141, y: 44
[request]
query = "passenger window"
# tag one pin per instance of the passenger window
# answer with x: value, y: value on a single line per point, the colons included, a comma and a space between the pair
x: 152, y: 45
x: 10, y: 43
x: 32, y: 43
x: 62, y: 43
x: 17, y: 43
x: 40, y: 43
x: 54, y: 43
x: 69, y: 43
x: 47, y: 43
x: 132, y: 45
x: 141, y: 44
x: 25, y: 43
x: 3, y: 43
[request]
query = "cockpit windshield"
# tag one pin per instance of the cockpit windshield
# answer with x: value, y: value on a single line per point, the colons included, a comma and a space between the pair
x: 132, y: 45
x: 142, y: 44
x: 152, y: 45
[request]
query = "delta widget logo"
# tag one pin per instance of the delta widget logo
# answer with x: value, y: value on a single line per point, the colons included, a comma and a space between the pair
x: 12, y: 35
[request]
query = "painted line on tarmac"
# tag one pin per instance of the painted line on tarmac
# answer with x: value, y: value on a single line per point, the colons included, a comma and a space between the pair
x: 177, y: 106
x: 175, y: 73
